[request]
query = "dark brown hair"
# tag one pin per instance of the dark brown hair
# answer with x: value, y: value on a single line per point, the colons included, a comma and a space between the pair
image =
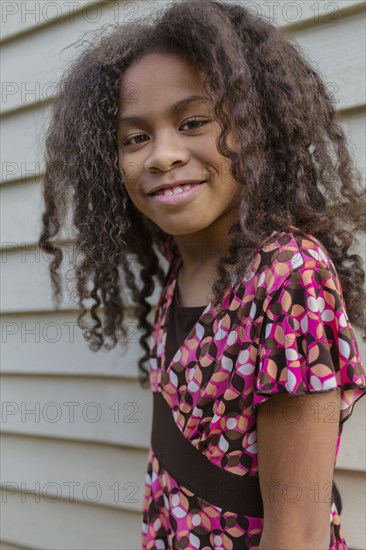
x: 291, y: 159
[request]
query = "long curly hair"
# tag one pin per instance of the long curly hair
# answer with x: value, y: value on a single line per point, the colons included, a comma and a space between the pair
x: 291, y: 158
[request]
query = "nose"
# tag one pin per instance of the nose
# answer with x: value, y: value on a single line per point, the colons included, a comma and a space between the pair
x: 167, y: 150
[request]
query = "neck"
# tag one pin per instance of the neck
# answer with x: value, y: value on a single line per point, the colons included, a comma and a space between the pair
x: 200, y: 251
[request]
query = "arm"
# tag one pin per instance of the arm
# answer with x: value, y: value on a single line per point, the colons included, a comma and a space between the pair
x: 296, y: 452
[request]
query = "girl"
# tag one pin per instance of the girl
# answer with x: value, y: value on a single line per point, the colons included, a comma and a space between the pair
x: 202, y: 133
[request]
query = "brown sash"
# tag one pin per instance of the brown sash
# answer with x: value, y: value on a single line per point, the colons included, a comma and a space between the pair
x: 190, y: 468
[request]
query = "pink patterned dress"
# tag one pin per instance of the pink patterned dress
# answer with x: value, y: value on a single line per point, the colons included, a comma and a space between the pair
x: 285, y: 330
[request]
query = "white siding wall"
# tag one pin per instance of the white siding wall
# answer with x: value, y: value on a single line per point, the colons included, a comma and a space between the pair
x: 68, y: 481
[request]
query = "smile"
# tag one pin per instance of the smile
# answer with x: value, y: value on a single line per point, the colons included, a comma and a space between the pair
x: 177, y: 195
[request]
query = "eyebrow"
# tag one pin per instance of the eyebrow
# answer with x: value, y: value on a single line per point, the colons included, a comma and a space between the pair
x: 174, y: 109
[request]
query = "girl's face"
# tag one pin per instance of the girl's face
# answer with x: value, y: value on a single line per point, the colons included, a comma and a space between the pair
x: 165, y: 136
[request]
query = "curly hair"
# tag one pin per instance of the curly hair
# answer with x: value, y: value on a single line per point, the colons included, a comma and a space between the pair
x: 291, y: 158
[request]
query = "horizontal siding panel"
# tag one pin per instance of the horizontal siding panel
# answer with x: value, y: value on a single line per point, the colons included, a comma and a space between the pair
x: 68, y: 525
x: 26, y: 282
x: 20, y: 16
x: 351, y: 455
x: 352, y: 451
x: 36, y: 462
x: 337, y: 50
x: 25, y: 201
x: 30, y: 70
x: 53, y: 344
x: 97, y: 410
x: 37, y: 405
x: 354, y: 124
x: 22, y: 155
x: 59, y: 469
x: 7, y: 546
x: 284, y: 13
x: 22, y: 144
x: 96, y: 527
x: 352, y: 487
x: 26, y: 285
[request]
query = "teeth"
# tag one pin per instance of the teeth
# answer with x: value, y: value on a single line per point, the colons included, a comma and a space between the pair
x: 175, y: 190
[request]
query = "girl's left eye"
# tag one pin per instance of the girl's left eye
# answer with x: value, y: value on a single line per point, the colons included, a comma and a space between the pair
x: 195, y: 121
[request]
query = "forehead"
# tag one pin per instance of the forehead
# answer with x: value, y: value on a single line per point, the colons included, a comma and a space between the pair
x: 160, y: 74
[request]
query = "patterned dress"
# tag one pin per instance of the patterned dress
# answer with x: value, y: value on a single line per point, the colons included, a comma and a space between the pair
x: 285, y: 330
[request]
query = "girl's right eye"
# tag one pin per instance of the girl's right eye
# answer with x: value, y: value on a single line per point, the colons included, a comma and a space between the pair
x: 129, y: 140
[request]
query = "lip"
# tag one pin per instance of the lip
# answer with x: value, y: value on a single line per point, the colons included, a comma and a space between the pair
x: 178, y: 198
x: 173, y: 184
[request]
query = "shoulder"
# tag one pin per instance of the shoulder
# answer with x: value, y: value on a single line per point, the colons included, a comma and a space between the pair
x: 287, y: 253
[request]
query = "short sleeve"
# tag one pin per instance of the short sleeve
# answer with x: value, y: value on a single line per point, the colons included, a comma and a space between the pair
x: 307, y: 343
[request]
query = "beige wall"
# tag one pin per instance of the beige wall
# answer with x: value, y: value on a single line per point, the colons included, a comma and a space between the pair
x: 40, y: 367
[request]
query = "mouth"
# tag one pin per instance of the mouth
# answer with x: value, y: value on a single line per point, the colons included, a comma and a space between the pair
x: 176, y: 189
x: 177, y: 194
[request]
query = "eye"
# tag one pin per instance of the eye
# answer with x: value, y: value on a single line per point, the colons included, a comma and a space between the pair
x: 196, y: 120
x: 128, y: 141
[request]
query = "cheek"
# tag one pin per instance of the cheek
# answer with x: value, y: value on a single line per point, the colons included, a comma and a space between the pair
x: 121, y: 162
x: 132, y: 190
x: 131, y: 169
x: 126, y: 177
x: 130, y: 173
x: 225, y: 178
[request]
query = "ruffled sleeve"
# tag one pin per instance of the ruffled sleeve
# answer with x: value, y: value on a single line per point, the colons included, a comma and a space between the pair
x: 307, y: 343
